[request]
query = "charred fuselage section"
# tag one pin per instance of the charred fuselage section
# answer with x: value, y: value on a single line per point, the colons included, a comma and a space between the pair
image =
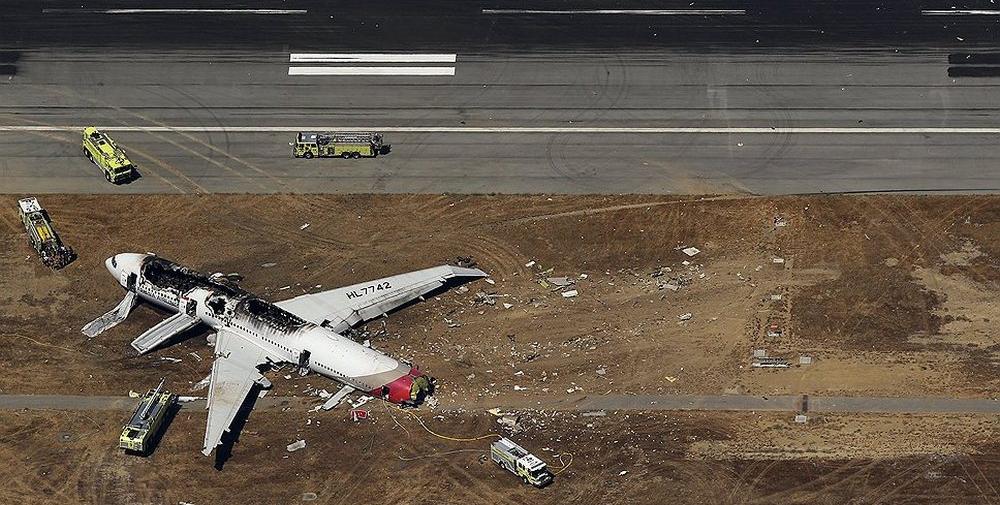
x: 166, y: 274
x: 227, y: 301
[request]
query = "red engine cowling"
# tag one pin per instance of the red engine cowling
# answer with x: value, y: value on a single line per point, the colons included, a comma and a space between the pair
x: 411, y: 388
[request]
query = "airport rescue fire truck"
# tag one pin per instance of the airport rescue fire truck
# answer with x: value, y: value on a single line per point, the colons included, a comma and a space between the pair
x: 42, y: 235
x: 105, y: 153
x: 512, y: 457
x: 342, y: 144
x: 146, y: 420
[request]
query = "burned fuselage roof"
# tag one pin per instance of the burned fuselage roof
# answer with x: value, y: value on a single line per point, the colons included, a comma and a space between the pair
x: 269, y: 313
x: 167, y: 274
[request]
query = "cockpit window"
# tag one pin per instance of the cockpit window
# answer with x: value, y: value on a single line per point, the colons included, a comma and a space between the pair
x: 114, y: 261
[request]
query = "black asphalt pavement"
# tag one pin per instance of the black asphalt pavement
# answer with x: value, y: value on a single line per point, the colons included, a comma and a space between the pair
x: 758, y: 97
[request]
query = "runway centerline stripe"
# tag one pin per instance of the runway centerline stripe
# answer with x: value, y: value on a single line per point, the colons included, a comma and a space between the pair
x: 520, y: 129
x: 370, y: 58
x: 961, y: 12
x: 273, y: 12
x: 371, y: 70
x: 633, y: 12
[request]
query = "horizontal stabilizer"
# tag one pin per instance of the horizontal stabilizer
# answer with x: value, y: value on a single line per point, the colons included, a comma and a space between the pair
x: 169, y: 327
x: 112, y: 317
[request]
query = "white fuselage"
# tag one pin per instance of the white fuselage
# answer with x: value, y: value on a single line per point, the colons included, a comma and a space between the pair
x: 286, y: 338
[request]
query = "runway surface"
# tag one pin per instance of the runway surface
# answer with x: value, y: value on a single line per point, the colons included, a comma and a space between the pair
x: 785, y: 403
x: 509, y: 97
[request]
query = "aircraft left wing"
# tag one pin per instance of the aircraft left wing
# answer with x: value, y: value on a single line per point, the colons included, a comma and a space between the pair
x: 234, y: 374
x: 342, y: 308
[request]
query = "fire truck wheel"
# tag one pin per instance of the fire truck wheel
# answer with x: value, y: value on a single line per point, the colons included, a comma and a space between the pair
x: 308, y: 155
x: 345, y: 155
x: 355, y: 155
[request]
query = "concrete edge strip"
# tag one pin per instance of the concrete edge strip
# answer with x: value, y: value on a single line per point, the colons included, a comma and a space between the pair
x: 735, y: 403
x: 520, y: 129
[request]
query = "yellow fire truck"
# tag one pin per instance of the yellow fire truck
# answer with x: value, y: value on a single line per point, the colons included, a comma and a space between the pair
x: 42, y: 235
x: 342, y: 144
x: 105, y: 153
x: 146, y: 420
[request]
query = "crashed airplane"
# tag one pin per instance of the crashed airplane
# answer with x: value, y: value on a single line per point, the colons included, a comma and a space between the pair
x: 253, y: 334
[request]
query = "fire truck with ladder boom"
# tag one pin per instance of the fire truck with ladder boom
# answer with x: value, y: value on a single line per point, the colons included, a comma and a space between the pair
x: 338, y: 144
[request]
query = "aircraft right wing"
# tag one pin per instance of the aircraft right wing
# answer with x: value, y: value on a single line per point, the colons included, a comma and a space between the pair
x: 234, y: 374
x: 342, y: 308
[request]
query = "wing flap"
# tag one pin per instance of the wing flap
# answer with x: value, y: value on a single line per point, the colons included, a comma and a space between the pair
x: 342, y: 308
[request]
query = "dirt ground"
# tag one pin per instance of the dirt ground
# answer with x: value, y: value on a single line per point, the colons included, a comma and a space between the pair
x: 889, y: 295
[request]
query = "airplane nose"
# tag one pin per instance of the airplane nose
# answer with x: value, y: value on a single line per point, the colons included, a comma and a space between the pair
x: 124, y: 263
x: 112, y: 265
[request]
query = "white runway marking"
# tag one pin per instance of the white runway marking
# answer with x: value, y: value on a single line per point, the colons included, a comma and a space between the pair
x: 515, y: 129
x: 176, y: 11
x: 370, y: 58
x: 961, y: 12
x: 371, y: 70
x: 634, y: 12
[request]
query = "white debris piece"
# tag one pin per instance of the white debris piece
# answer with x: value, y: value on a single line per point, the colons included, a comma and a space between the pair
x: 507, y: 306
x: 195, y: 356
x: 361, y: 401
x: 623, y: 472
x: 269, y: 265
x: 560, y: 281
x: 569, y: 294
x: 529, y: 264
x: 304, y: 226
x: 133, y: 394
x: 519, y: 388
x: 294, y: 446
x: 595, y: 413
x: 168, y: 358
x: 685, y: 316
x: 805, y: 360
x: 691, y: 251
x: 778, y: 261
x: 188, y: 399
x: 760, y: 353
x: 801, y: 419
x: 490, y: 281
